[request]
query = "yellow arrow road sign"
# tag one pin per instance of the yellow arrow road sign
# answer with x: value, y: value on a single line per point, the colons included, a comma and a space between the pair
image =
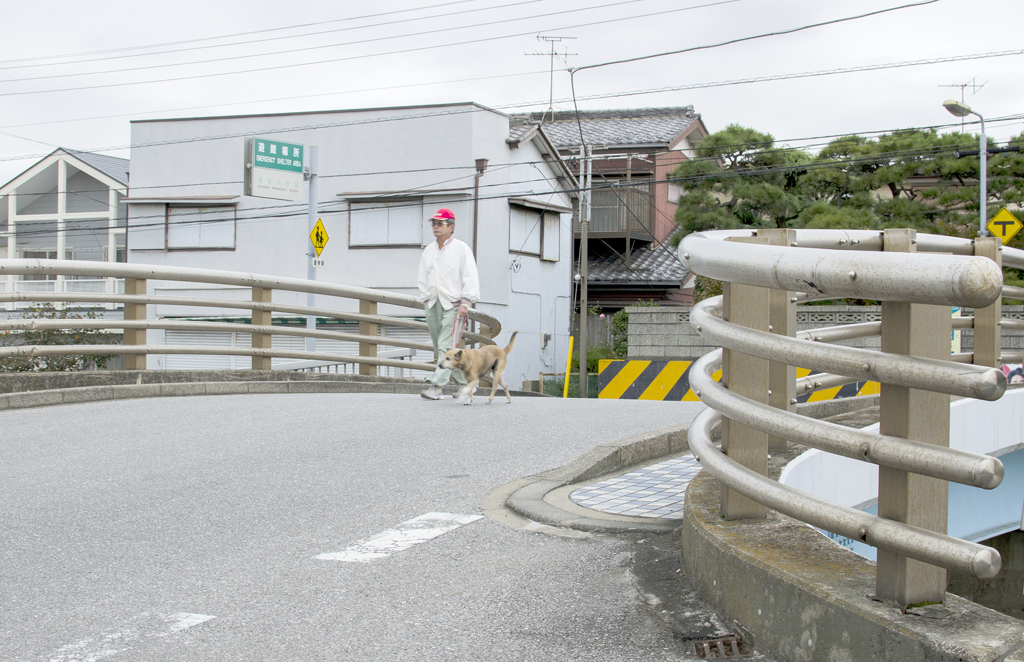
x: 1004, y: 225
x: 319, y: 236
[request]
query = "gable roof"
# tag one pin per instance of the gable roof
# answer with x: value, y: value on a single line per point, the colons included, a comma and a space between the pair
x: 522, y: 129
x: 112, y: 166
x: 620, y: 128
x: 114, y: 169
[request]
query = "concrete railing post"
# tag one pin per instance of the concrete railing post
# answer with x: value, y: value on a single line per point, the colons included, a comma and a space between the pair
x: 261, y: 318
x: 745, y: 375
x: 924, y: 331
x: 135, y: 311
x: 987, y: 338
x: 367, y: 329
x: 782, y: 320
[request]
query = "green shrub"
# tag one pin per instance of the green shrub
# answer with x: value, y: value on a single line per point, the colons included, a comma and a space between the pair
x: 59, y: 363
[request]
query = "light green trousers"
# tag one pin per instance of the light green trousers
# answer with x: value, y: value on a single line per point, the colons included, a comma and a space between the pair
x: 440, y: 323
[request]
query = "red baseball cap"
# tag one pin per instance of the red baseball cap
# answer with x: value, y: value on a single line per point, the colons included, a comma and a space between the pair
x: 444, y: 214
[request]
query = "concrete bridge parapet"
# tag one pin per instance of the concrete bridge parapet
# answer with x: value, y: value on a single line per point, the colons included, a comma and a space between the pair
x: 798, y: 596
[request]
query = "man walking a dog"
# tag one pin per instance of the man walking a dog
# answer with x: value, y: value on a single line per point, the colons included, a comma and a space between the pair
x: 449, y: 284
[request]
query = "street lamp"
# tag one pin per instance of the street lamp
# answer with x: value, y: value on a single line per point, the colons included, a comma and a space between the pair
x: 961, y: 109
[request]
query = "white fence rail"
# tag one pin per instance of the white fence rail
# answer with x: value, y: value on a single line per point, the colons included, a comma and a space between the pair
x: 108, y: 284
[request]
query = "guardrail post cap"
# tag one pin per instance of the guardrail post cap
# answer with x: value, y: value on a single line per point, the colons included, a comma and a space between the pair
x: 986, y: 563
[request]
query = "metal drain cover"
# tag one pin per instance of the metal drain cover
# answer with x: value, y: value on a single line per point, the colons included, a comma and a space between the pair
x: 720, y: 648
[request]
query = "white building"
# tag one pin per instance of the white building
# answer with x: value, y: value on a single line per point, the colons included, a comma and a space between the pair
x: 382, y: 173
x: 68, y: 205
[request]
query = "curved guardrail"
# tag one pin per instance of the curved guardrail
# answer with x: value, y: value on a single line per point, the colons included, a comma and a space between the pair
x: 820, y: 264
x: 137, y: 320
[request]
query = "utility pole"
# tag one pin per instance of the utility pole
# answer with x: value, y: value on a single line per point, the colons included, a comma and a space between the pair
x: 311, y: 223
x: 629, y: 208
x: 552, y: 54
x: 584, y: 317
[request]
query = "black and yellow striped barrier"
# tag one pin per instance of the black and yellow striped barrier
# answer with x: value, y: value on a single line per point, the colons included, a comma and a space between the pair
x: 669, y: 380
x: 844, y: 391
x: 645, y: 380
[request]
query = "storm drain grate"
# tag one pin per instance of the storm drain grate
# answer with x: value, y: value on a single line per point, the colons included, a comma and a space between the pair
x: 722, y: 647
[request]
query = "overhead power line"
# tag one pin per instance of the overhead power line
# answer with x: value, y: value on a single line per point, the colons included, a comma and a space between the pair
x: 292, y: 51
x: 284, y: 210
x: 778, y: 77
x: 290, y: 97
x: 230, y: 36
x: 610, y: 95
x: 991, y: 121
x: 366, y: 55
x: 759, y: 36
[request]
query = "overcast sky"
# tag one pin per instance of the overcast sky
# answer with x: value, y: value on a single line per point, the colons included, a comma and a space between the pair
x: 74, y: 74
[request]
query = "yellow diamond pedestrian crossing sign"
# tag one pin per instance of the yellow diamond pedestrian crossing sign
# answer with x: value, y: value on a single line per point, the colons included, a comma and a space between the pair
x: 319, y: 237
x: 1004, y: 225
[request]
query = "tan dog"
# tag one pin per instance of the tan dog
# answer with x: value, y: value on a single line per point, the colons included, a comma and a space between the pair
x: 475, y: 363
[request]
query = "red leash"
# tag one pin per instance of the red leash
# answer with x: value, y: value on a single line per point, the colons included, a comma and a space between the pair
x: 460, y: 324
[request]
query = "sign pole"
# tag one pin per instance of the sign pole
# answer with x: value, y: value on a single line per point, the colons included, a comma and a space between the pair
x: 311, y: 161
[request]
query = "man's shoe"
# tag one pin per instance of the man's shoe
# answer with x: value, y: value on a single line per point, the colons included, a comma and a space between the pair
x: 432, y: 393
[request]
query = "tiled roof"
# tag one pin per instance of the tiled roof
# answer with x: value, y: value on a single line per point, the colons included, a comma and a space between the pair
x: 519, y: 127
x: 112, y: 166
x: 647, y: 265
x: 641, y: 126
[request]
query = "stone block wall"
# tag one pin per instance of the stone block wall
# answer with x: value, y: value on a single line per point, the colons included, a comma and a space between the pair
x: 664, y: 333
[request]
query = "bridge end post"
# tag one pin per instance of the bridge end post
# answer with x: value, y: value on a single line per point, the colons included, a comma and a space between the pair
x: 782, y: 321
x: 745, y: 375
x: 367, y: 329
x: 987, y: 339
x: 924, y: 331
x: 261, y: 318
x: 134, y: 312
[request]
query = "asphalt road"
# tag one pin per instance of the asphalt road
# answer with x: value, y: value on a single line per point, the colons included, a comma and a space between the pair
x: 178, y: 529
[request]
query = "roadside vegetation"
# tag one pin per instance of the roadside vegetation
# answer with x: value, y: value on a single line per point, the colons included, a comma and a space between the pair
x: 70, y: 363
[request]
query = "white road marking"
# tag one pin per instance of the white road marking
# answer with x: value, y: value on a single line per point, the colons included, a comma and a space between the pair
x: 417, y: 530
x: 112, y: 643
x: 184, y: 621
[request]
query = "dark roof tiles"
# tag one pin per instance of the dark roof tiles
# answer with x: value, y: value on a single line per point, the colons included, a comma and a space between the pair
x: 641, y: 126
x: 647, y: 265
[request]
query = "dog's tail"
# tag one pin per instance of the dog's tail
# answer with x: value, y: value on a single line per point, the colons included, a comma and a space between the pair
x: 511, y: 342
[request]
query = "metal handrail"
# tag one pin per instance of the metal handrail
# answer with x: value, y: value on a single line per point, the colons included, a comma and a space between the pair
x: 26, y: 351
x: 823, y: 264
x: 965, y: 281
x: 189, y: 325
x: 969, y: 381
x: 918, y: 457
x: 22, y: 267
x: 911, y: 541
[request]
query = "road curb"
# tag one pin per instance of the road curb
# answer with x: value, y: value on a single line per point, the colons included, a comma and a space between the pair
x: 545, y: 496
x: 543, y: 500
x: 76, y: 388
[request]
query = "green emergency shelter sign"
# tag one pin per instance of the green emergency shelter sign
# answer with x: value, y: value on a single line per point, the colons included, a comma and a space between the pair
x: 277, y: 155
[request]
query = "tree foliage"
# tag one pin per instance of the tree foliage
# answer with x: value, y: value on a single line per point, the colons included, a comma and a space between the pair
x: 911, y: 179
x: 59, y: 363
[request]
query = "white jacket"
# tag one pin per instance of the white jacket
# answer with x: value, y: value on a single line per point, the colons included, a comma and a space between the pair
x: 448, y: 274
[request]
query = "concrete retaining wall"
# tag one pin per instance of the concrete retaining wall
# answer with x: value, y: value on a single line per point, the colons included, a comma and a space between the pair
x: 800, y: 597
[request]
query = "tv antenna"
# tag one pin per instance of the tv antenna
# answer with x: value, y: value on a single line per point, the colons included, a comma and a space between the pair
x: 973, y: 84
x: 552, y: 54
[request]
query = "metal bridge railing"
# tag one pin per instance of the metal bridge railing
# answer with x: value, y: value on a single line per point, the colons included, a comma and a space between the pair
x: 136, y: 299
x: 917, y: 277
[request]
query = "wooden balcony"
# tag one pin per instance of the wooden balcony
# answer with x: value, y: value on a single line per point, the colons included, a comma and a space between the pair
x: 620, y: 211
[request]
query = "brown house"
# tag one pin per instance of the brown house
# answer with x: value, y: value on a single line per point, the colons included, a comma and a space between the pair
x: 633, y: 204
